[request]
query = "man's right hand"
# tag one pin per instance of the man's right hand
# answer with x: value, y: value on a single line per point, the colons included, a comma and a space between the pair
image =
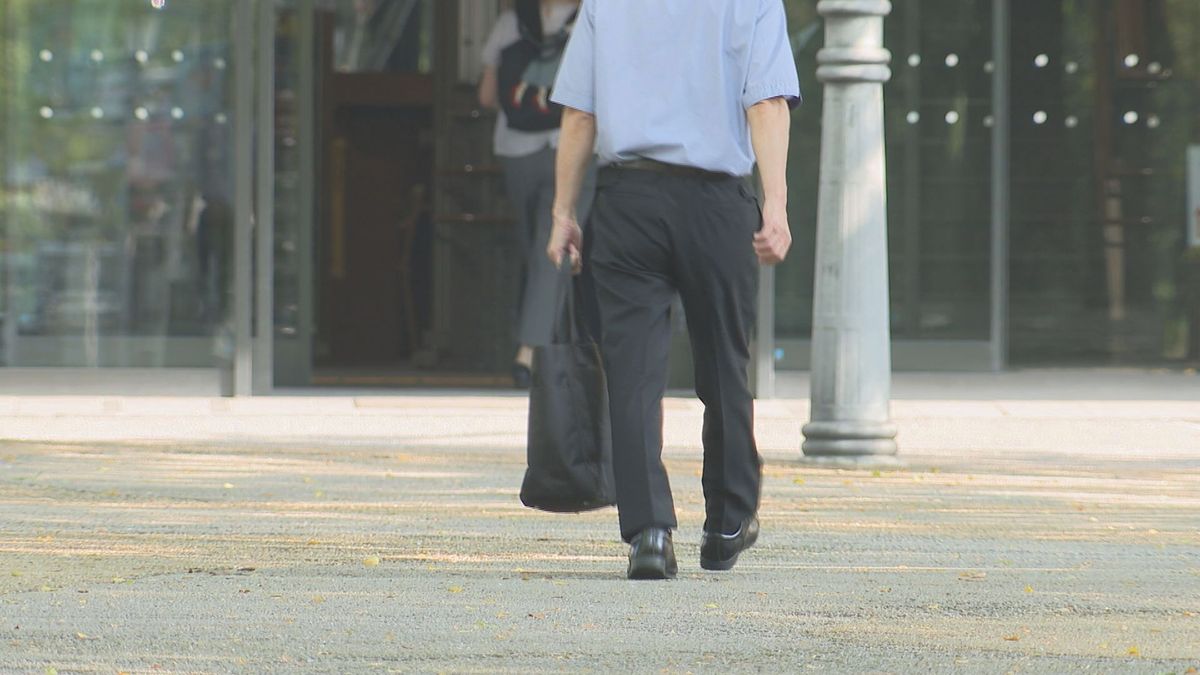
x: 566, y: 242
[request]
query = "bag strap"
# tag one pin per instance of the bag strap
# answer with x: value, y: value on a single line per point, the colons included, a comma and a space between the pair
x: 529, y: 20
x: 566, y: 326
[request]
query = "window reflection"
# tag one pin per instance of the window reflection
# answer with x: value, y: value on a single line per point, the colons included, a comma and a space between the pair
x: 115, y: 180
x: 937, y: 110
x: 383, y: 35
x: 1100, y: 264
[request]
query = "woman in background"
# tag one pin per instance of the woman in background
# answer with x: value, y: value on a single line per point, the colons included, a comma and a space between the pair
x: 528, y: 155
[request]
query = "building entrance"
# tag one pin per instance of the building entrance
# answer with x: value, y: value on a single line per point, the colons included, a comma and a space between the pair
x: 391, y: 261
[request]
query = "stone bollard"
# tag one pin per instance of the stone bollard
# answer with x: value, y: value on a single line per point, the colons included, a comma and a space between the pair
x: 850, y: 420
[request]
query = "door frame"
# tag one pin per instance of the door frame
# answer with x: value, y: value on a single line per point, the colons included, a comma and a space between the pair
x: 258, y: 361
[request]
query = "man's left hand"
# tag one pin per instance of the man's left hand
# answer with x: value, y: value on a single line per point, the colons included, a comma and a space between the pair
x: 772, y: 242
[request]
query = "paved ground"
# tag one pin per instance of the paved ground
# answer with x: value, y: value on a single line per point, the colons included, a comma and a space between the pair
x: 383, y: 534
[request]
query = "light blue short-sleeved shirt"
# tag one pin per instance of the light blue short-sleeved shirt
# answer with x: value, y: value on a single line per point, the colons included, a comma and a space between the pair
x: 671, y: 80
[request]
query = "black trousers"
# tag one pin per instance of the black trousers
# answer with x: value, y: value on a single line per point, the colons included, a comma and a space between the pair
x: 654, y: 235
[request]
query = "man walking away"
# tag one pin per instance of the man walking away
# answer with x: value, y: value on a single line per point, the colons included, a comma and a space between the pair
x: 680, y: 99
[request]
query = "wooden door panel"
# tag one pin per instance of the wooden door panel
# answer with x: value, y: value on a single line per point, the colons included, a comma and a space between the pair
x: 375, y: 159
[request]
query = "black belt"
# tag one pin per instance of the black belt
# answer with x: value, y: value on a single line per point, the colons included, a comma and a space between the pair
x: 663, y: 167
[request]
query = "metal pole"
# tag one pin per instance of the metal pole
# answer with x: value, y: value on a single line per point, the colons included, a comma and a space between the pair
x: 851, y: 376
x: 243, y: 198
x: 1001, y: 179
x: 764, y: 355
x: 8, y: 147
x: 264, y: 341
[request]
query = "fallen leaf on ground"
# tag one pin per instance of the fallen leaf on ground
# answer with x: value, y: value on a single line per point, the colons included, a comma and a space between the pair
x: 1029, y: 589
x: 318, y: 599
x: 1012, y: 638
x: 312, y: 542
x: 228, y: 486
x: 798, y: 481
x: 455, y: 589
x: 84, y: 636
x: 372, y: 561
x: 710, y: 605
x: 1133, y: 651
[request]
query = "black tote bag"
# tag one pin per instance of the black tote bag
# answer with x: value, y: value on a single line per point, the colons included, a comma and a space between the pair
x: 570, y: 441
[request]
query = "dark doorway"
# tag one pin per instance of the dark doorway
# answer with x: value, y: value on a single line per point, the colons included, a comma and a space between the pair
x: 377, y: 153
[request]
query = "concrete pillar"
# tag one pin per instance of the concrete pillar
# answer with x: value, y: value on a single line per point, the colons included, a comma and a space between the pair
x: 851, y: 360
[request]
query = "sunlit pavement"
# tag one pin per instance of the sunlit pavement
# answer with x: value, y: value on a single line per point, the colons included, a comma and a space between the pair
x: 384, y: 534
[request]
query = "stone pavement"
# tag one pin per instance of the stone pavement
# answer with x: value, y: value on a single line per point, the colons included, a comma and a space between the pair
x: 382, y: 533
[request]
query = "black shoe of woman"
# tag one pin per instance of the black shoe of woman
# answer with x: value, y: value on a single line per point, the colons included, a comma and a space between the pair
x: 521, y: 375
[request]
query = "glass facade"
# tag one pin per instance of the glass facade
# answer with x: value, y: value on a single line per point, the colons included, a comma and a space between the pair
x: 114, y: 182
x: 1104, y: 108
x: 939, y: 175
x: 938, y: 111
x: 1106, y: 103
x: 117, y: 162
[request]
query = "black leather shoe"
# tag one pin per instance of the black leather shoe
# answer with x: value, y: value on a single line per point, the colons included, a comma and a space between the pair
x: 522, y: 377
x: 652, y: 555
x: 719, y: 552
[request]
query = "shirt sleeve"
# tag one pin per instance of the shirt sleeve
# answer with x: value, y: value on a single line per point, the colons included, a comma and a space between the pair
x: 503, y: 35
x: 772, y: 65
x: 575, y: 86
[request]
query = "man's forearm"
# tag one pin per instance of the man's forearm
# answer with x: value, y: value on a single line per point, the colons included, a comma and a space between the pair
x: 770, y: 131
x: 576, y: 145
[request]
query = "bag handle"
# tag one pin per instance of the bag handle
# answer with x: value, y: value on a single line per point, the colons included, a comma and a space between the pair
x: 529, y: 20
x: 565, y: 295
